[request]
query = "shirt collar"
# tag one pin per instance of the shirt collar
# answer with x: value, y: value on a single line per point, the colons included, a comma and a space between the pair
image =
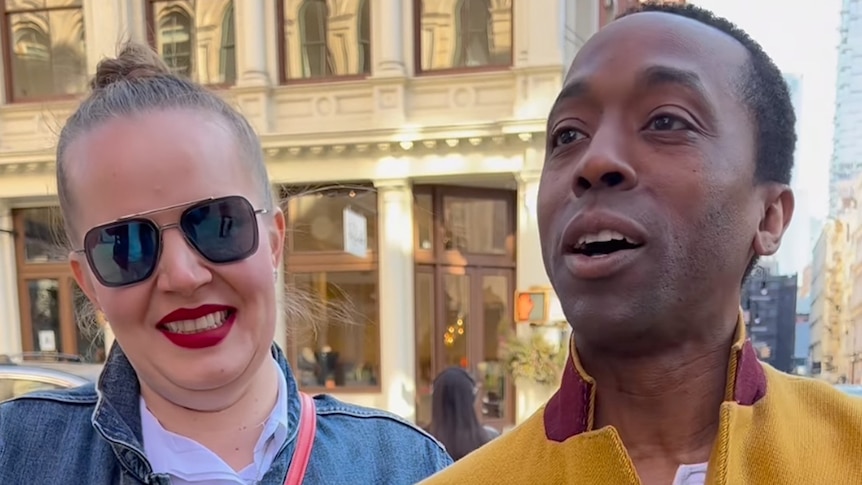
x: 186, y: 459
x: 570, y: 410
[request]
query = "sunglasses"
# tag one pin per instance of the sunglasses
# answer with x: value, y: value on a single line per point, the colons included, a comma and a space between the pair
x: 124, y: 252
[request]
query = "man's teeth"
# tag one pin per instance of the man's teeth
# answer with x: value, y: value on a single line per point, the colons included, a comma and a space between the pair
x: 207, y: 322
x: 603, y: 236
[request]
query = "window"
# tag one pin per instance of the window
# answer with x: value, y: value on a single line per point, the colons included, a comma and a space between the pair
x: 45, y: 53
x: 342, y: 349
x: 463, y: 34
x: 195, y: 38
x: 322, y: 39
x: 53, y: 308
x: 465, y: 282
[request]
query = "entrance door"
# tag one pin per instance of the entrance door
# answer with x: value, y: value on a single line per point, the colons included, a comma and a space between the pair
x: 461, y: 314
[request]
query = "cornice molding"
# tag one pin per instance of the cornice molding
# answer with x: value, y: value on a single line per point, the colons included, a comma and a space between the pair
x: 280, y: 148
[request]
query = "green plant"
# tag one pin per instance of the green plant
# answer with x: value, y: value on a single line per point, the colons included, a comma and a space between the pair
x: 533, y: 358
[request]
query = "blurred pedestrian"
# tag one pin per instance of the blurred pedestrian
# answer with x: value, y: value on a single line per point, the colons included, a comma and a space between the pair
x: 453, y: 414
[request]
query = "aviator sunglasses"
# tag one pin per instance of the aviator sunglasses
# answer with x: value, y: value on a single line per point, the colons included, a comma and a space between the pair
x: 124, y: 252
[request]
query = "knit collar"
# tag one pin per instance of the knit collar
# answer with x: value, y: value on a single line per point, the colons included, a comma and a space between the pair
x: 570, y: 410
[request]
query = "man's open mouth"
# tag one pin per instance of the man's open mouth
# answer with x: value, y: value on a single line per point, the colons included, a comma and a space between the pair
x: 604, y: 243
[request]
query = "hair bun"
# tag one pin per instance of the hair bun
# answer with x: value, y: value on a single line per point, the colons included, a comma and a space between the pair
x: 135, y: 61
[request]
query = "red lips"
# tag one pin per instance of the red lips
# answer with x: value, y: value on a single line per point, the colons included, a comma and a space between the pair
x: 193, y: 313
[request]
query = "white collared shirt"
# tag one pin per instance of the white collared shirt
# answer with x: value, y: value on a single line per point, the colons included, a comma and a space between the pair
x: 691, y: 474
x: 188, y: 462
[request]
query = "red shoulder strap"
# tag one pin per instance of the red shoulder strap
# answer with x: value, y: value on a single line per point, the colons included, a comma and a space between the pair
x: 304, y: 440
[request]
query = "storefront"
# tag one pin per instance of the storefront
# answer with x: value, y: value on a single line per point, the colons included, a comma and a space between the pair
x: 430, y: 136
x: 444, y: 248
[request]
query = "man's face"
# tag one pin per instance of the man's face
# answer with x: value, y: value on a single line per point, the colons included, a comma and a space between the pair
x: 647, y: 206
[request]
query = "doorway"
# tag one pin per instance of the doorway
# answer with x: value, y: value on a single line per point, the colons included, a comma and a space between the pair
x: 465, y: 284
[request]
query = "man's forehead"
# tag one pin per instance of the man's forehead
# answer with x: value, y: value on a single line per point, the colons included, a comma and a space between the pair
x: 656, y: 38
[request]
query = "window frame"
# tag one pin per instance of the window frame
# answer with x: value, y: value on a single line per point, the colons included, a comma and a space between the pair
x: 282, y: 54
x: 8, y: 59
x: 151, y: 28
x: 330, y: 262
x: 417, y: 49
x: 439, y: 262
x: 60, y: 271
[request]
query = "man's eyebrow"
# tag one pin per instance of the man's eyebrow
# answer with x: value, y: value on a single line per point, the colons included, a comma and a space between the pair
x: 649, y: 78
x: 656, y: 76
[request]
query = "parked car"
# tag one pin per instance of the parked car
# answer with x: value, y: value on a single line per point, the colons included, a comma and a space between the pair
x: 30, y: 372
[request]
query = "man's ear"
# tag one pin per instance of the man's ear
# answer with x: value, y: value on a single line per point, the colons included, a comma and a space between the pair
x: 82, y: 276
x: 777, y: 211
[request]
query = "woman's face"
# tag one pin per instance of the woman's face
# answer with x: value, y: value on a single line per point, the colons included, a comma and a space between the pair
x: 173, y: 159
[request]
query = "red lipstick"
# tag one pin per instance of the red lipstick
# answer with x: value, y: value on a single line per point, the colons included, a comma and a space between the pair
x: 198, y: 339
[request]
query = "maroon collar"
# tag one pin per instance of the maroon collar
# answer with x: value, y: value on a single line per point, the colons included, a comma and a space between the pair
x: 570, y: 410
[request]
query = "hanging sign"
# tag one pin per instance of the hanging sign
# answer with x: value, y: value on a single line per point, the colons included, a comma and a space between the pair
x: 355, y: 233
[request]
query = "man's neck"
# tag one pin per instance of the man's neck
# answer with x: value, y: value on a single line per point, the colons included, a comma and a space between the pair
x: 663, y: 405
x: 243, y: 411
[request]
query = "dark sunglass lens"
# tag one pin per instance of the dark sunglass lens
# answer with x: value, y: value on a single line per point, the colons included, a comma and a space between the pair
x: 123, y: 253
x: 223, y: 231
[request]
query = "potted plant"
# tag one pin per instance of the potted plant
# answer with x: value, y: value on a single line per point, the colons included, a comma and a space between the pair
x: 534, y: 358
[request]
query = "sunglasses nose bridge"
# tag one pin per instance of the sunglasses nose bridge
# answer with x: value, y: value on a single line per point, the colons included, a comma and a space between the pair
x: 178, y: 268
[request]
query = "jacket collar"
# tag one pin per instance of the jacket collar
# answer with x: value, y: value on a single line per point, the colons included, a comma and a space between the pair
x: 117, y: 416
x: 570, y: 410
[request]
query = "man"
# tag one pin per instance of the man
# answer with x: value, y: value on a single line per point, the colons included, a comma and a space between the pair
x: 666, y: 176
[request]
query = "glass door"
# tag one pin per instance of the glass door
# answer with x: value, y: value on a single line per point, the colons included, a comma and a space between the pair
x: 461, y: 315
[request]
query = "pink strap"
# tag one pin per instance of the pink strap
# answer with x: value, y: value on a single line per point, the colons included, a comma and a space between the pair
x: 304, y: 440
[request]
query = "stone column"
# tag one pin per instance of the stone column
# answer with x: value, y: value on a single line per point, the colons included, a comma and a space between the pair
x: 395, y: 266
x: 107, y: 25
x: 251, y: 42
x: 10, y: 323
x: 387, y: 37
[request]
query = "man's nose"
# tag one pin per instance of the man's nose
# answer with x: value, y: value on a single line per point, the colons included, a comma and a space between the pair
x: 181, y: 269
x: 604, y: 165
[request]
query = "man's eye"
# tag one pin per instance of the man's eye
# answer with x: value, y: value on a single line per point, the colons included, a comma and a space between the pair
x: 565, y: 136
x: 667, y: 123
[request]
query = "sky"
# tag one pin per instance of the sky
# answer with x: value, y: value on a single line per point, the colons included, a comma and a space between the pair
x: 802, y: 38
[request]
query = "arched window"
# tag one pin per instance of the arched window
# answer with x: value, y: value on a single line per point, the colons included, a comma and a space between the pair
x: 45, y: 53
x: 474, y: 22
x: 363, y: 20
x: 312, y: 23
x: 174, y: 40
x: 227, y: 60
x: 31, y: 62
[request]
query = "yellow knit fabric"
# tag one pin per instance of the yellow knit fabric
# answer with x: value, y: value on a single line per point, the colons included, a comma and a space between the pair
x: 802, y: 432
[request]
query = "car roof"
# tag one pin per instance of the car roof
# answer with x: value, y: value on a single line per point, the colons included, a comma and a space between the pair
x: 66, y: 368
x: 41, y: 374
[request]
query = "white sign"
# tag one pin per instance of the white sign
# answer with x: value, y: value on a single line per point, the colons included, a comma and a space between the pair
x: 47, y: 341
x: 355, y: 233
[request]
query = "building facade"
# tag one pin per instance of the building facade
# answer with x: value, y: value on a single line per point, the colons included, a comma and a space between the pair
x: 831, y: 288
x: 847, y: 145
x: 424, y: 120
x: 769, y: 306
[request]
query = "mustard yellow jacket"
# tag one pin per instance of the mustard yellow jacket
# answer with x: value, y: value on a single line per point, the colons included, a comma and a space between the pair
x: 775, y: 429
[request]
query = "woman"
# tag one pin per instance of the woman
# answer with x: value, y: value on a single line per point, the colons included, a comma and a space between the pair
x: 453, y: 417
x: 177, y: 241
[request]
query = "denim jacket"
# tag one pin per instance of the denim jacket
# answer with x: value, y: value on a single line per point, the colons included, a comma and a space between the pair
x: 92, y: 435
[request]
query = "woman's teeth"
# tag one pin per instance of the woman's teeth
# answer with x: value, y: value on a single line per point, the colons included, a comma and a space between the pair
x: 202, y: 324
